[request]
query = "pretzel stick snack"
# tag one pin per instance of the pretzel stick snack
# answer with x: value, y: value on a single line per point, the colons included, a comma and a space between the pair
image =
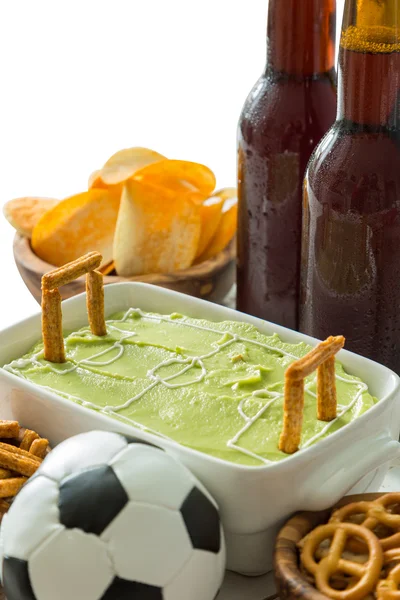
x: 20, y: 457
x: 53, y: 340
x: 293, y: 415
x: 11, y: 487
x: 39, y: 448
x: 19, y: 464
x: 27, y: 439
x: 19, y: 452
x: 6, y: 474
x: 95, y: 302
x: 326, y: 391
x: 9, y: 429
x: 73, y: 270
x: 294, y: 391
x: 303, y: 367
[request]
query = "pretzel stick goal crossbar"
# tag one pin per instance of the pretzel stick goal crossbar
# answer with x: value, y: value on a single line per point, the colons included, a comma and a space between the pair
x: 53, y: 340
x: 322, y: 359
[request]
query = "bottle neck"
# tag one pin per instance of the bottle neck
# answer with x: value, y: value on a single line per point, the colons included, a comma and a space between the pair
x: 369, y: 64
x: 301, y: 36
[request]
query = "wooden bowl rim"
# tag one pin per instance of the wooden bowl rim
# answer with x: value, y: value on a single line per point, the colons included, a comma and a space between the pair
x: 286, y: 555
x: 25, y: 256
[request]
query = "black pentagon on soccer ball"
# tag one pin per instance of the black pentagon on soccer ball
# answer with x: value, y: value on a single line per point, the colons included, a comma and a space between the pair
x: 131, y: 439
x: 16, y: 582
x: 90, y: 499
x: 202, y: 521
x: 121, y: 589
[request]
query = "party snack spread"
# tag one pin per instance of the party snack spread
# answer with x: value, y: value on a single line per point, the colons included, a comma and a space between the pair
x: 222, y: 388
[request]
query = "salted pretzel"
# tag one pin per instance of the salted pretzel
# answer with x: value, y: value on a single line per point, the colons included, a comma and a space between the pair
x: 375, y: 513
x: 366, y: 575
x: 391, y: 558
x: 388, y: 589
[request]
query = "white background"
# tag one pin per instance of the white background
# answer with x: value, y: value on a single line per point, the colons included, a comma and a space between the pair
x: 81, y: 79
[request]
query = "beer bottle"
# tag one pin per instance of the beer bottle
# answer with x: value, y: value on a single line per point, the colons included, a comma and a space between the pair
x: 288, y: 111
x: 351, y: 224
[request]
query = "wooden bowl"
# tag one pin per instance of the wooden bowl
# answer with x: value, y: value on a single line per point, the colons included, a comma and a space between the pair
x: 290, y: 582
x: 210, y: 280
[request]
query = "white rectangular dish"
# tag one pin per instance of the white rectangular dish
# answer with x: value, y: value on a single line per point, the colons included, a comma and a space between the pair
x: 254, y: 501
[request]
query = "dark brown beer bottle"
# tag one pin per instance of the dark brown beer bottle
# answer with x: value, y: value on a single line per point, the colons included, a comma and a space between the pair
x: 288, y: 111
x: 351, y: 246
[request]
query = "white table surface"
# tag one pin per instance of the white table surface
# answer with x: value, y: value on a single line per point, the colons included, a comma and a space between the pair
x: 16, y: 302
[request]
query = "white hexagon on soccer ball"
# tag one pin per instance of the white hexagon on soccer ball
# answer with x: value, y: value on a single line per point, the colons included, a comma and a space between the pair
x: 170, y: 481
x: 89, y: 571
x: 82, y: 451
x: 33, y: 518
x: 211, y: 568
x: 156, y: 548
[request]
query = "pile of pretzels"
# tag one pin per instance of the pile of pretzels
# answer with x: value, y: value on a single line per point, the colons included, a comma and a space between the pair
x: 356, y: 555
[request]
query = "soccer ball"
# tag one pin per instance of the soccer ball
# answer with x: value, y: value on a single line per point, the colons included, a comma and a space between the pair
x: 107, y: 517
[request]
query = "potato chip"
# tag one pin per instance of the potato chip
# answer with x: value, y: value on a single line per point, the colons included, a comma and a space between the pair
x: 122, y: 165
x: 157, y: 231
x: 226, y: 229
x: 78, y: 225
x: 107, y: 269
x: 210, y: 213
x: 95, y: 180
x: 24, y: 213
x: 178, y: 174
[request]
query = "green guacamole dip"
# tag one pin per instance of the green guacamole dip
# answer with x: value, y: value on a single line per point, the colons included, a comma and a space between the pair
x: 215, y: 387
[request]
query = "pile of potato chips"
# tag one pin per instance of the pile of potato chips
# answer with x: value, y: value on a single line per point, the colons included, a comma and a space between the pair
x: 143, y: 212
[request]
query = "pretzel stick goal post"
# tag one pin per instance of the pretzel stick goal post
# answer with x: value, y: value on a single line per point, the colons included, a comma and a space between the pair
x: 321, y: 358
x: 51, y: 302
